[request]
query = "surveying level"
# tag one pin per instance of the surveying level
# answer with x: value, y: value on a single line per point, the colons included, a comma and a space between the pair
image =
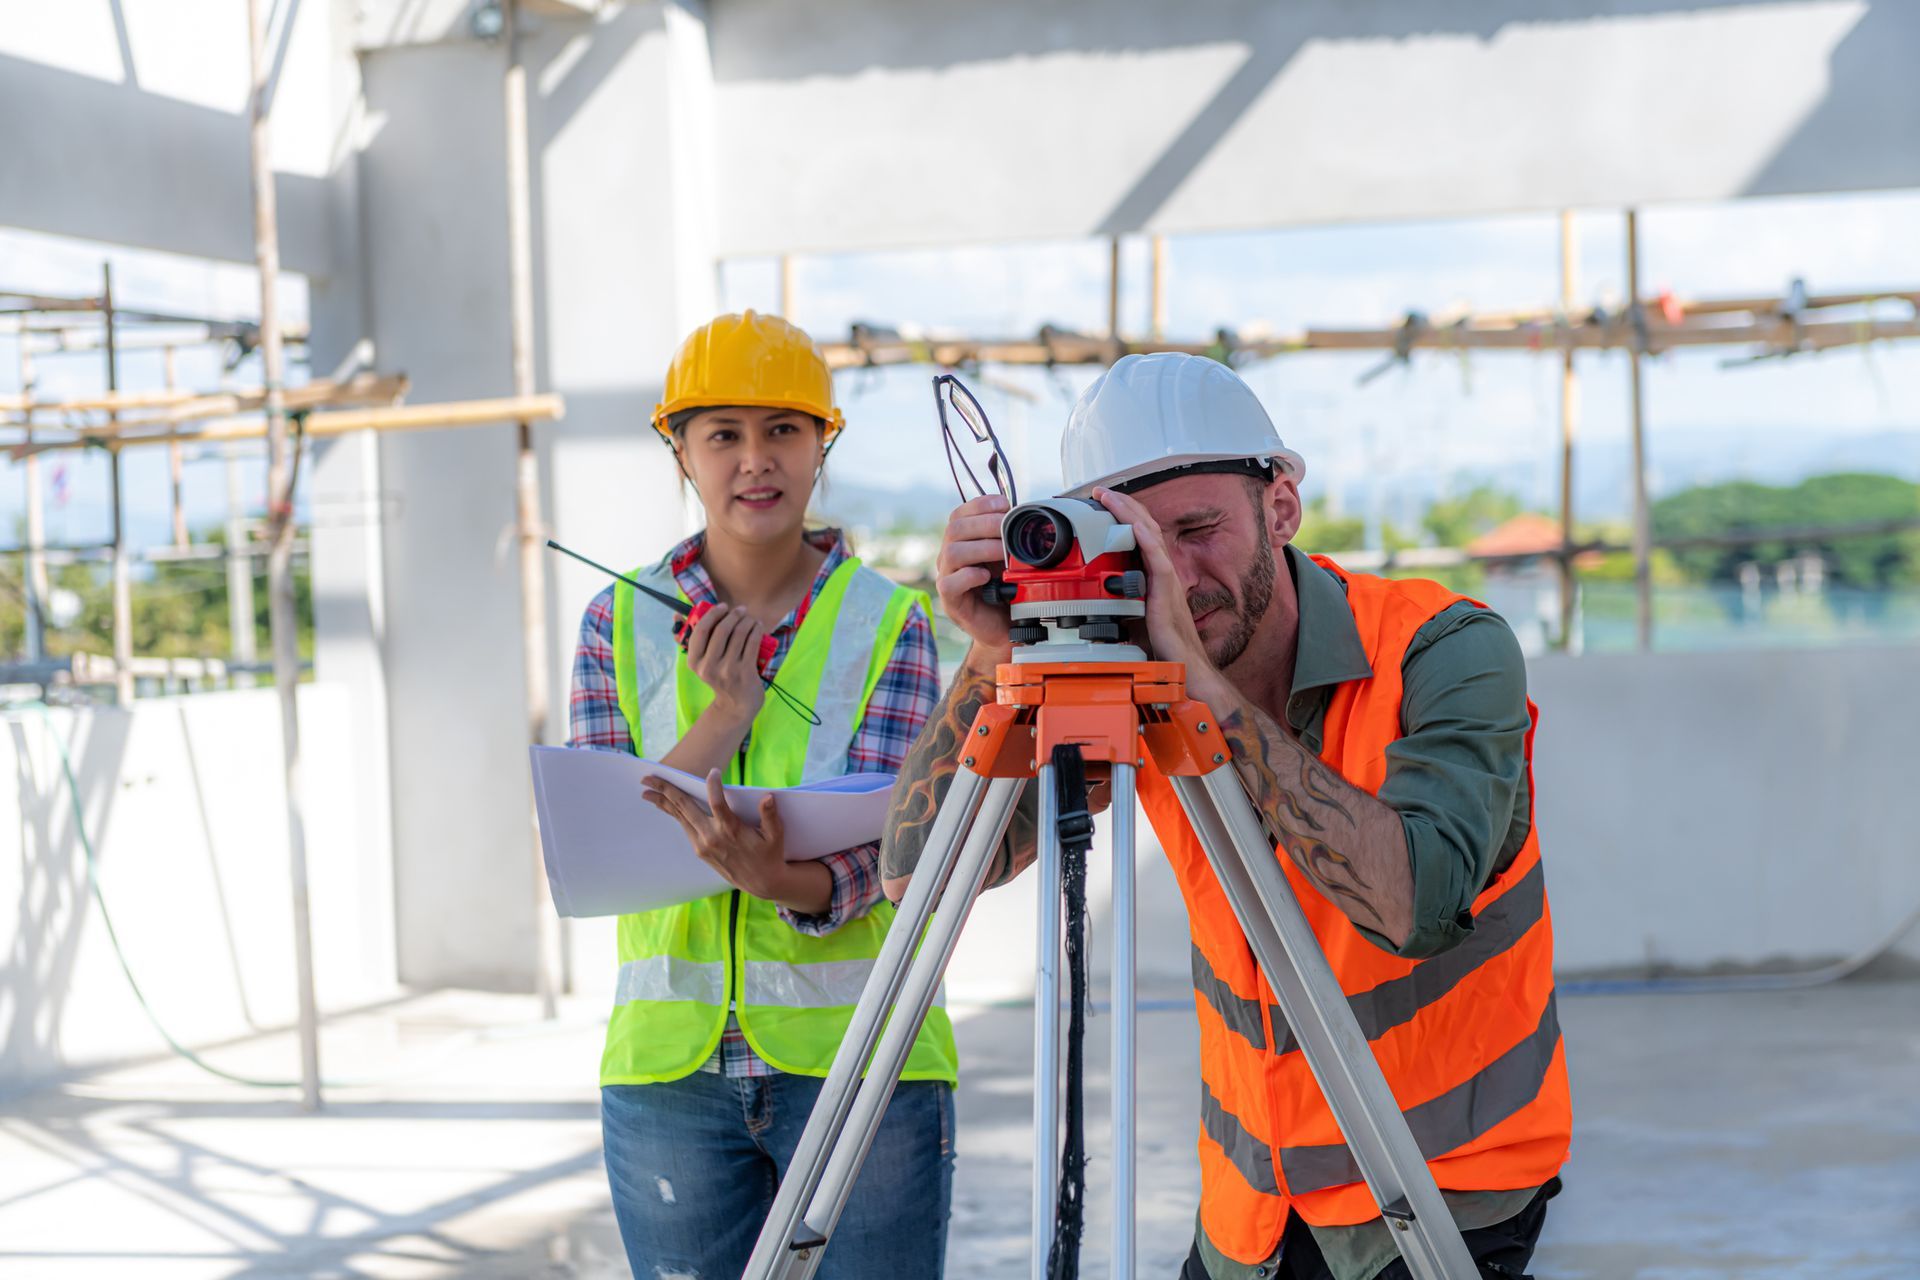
x: 1074, y: 687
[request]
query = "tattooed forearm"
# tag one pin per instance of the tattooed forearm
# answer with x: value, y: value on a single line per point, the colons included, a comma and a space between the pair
x: 1319, y: 782
x: 1335, y: 874
x: 1020, y: 846
x: 1349, y: 845
x: 928, y: 773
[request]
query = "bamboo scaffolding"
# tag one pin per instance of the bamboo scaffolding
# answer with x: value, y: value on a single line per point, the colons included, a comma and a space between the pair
x: 38, y: 583
x: 163, y: 553
x: 175, y: 461
x: 1569, y: 421
x: 14, y: 301
x: 1157, y: 290
x: 122, y: 571
x: 76, y: 325
x: 1791, y: 324
x: 112, y: 402
x: 1642, y: 511
x: 320, y: 424
x: 70, y: 341
x: 190, y: 406
x: 1701, y: 324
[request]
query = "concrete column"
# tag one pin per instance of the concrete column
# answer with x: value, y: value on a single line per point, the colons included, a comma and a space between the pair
x: 621, y: 130
x: 625, y: 276
x: 351, y: 514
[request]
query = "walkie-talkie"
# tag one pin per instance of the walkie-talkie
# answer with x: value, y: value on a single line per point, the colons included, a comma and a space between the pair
x: 688, y: 618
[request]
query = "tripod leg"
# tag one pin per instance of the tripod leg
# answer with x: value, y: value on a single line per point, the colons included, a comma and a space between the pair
x: 916, y: 996
x: 1046, y: 1022
x: 1125, y: 1011
x: 877, y: 998
x: 1342, y: 1061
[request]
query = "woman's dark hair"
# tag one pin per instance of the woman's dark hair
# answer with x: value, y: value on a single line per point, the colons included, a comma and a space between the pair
x: 677, y: 426
x: 677, y: 422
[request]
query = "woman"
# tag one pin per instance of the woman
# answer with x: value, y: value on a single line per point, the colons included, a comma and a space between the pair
x: 728, y: 1010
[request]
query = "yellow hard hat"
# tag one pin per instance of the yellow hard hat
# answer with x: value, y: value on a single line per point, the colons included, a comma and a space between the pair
x: 749, y: 359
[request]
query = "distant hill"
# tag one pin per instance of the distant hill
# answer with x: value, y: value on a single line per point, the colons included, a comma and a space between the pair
x: 1679, y: 458
x: 863, y: 506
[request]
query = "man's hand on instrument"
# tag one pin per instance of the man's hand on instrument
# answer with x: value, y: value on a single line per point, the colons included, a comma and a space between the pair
x: 724, y: 651
x: 1170, y: 628
x: 751, y: 858
x: 969, y: 552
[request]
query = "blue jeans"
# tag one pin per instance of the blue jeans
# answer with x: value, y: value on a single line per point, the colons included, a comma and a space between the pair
x: 693, y: 1164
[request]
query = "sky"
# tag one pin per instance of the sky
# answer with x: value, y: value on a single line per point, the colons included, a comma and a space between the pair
x: 1433, y: 427
x: 1440, y: 421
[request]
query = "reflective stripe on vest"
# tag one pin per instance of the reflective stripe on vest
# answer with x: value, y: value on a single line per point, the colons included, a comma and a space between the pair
x: 841, y: 697
x: 646, y: 700
x: 1395, y: 1002
x: 1252, y: 1157
x: 683, y: 967
x: 1468, y: 1040
x: 666, y: 977
x: 1449, y: 1121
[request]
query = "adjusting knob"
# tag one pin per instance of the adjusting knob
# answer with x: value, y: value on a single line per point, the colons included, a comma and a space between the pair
x: 997, y: 592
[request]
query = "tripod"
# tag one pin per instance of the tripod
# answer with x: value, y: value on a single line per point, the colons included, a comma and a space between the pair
x: 1116, y: 711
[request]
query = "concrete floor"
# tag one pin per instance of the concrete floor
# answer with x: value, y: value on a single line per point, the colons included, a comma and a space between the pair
x: 1763, y: 1135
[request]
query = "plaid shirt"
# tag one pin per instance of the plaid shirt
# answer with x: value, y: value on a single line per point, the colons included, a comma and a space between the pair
x: 901, y: 703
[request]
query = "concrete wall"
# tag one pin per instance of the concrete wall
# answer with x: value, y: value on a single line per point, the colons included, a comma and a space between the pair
x: 999, y: 119
x: 1728, y: 808
x: 183, y: 802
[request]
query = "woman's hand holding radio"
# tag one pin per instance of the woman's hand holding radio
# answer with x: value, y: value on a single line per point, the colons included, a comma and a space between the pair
x: 969, y: 553
x: 724, y: 651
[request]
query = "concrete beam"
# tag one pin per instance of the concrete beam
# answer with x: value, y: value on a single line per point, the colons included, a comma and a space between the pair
x: 963, y: 123
x: 138, y: 135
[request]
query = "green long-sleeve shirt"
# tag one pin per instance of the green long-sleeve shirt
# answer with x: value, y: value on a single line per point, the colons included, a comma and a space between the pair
x: 1457, y: 777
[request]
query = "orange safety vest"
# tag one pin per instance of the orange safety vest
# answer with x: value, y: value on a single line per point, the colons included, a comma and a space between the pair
x: 1468, y: 1039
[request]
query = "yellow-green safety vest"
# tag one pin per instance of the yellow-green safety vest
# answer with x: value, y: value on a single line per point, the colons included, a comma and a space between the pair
x: 682, y: 967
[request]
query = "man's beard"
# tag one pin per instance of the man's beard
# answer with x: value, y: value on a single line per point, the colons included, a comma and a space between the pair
x: 1256, y: 594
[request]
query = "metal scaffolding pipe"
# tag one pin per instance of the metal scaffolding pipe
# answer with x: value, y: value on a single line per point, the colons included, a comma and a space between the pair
x: 38, y: 585
x: 122, y: 572
x: 1642, y: 521
x: 533, y: 583
x: 281, y: 620
x: 1569, y: 423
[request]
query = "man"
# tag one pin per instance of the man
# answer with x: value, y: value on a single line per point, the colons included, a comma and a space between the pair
x: 1384, y: 732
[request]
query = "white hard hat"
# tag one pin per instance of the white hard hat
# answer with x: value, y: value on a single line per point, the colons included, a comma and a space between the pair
x: 1165, y: 412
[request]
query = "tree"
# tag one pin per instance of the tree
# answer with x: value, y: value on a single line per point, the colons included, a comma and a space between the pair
x: 179, y: 608
x: 1454, y: 522
x: 1876, y: 561
x: 1326, y: 533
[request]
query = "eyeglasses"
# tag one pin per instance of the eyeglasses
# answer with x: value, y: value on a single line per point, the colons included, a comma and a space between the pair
x: 956, y: 403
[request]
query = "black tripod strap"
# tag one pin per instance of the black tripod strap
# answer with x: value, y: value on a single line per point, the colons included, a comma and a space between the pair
x: 1075, y: 825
